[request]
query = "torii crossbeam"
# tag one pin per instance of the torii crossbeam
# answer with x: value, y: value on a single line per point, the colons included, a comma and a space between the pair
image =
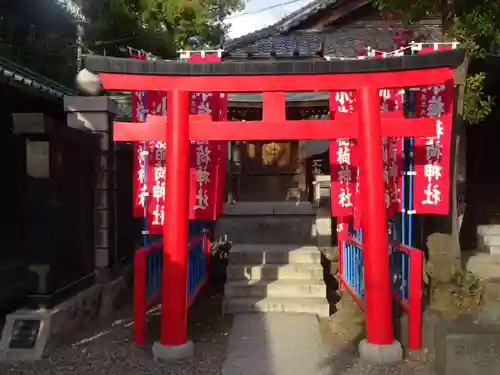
x: 365, y: 77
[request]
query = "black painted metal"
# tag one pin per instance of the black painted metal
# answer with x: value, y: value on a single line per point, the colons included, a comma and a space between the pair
x: 59, y: 215
x: 96, y: 64
x: 128, y: 229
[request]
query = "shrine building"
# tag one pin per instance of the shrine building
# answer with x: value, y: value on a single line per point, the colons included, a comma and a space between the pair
x: 277, y: 170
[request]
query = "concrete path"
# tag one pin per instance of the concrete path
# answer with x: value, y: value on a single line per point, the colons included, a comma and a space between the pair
x: 276, y: 344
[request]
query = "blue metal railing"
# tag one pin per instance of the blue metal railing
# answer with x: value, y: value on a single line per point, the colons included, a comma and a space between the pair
x: 198, y: 257
x: 154, y: 266
x: 352, y: 268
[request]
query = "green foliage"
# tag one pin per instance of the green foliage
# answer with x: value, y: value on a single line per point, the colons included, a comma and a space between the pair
x: 477, y: 106
x: 475, y: 24
x: 159, y: 26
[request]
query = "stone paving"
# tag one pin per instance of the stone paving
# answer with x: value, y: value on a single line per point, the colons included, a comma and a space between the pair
x: 293, y: 343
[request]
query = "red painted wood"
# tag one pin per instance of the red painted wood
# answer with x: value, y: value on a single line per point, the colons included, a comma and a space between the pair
x: 304, y: 82
x: 175, y: 227
x: 273, y: 106
x: 378, y: 293
x: 203, y: 129
x: 415, y: 300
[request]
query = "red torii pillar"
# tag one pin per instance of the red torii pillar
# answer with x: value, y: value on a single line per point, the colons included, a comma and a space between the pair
x: 379, y: 345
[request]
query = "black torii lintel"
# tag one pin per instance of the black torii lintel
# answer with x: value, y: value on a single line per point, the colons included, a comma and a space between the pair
x: 102, y: 64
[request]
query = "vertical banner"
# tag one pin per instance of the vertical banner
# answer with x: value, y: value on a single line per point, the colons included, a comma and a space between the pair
x: 155, y: 168
x: 390, y: 101
x: 221, y: 115
x: 432, y: 154
x: 206, y: 156
x: 156, y: 180
x: 343, y: 168
x: 344, y: 165
x: 139, y: 188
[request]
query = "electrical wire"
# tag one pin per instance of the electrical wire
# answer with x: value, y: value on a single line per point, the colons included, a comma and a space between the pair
x: 257, y: 11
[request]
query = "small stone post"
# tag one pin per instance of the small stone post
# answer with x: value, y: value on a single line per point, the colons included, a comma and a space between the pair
x: 95, y: 114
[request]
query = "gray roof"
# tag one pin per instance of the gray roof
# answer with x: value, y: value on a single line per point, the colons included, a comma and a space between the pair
x: 286, y: 38
x: 274, y: 35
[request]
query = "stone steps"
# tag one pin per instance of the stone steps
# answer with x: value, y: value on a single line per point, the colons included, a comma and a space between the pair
x: 275, y: 278
x: 274, y: 254
x: 488, y: 238
x: 310, y: 305
x: 278, y: 288
x: 485, y: 266
x: 271, y: 272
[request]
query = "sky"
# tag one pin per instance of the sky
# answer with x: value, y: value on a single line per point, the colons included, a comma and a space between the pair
x: 242, y: 23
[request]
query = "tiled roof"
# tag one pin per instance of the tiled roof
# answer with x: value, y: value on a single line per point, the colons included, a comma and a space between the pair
x: 283, y: 26
x: 282, y: 39
x: 16, y: 73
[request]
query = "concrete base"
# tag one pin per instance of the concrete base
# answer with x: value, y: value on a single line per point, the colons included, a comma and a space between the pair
x: 380, y: 354
x: 34, y: 353
x: 169, y: 353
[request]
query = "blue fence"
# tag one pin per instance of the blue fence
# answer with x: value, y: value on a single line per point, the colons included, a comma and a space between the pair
x: 154, y: 267
x: 199, y: 256
x: 352, y: 265
x: 148, y: 266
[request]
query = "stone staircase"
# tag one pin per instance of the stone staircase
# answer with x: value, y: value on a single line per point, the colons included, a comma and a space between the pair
x: 275, y: 278
x: 488, y: 239
x: 275, y: 264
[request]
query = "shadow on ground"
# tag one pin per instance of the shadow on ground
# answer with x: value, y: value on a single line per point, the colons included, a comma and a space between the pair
x: 106, y: 348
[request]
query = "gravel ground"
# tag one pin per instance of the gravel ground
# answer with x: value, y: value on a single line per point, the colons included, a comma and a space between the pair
x: 107, y: 348
x: 343, y: 360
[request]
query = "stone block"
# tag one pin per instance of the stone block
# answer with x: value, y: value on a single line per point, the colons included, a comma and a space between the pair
x: 490, y: 249
x: 266, y: 229
x: 465, y: 348
x: 90, y: 104
x: 489, y: 240
x: 488, y: 229
x: 102, y: 219
x: 489, y: 308
x: 102, y: 257
x: 444, y: 257
x: 101, y: 199
x: 484, y: 266
x: 102, y: 238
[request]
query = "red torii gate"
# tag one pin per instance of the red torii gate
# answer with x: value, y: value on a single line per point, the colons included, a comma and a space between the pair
x: 365, y: 77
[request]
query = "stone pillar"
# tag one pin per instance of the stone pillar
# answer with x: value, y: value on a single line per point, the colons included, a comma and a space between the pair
x: 95, y: 114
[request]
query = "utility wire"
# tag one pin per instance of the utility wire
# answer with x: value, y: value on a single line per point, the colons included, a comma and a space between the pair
x: 257, y: 11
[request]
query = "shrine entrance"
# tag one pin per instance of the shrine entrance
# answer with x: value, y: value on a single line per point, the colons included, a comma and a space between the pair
x: 271, y: 171
x: 364, y: 78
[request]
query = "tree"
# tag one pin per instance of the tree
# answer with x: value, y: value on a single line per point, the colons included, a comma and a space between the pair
x: 475, y: 24
x: 158, y: 26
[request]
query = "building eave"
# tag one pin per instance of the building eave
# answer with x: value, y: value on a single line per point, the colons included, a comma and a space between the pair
x: 15, y: 73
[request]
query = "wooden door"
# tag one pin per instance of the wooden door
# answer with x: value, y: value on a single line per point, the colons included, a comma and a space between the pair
x: 271, y: 171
